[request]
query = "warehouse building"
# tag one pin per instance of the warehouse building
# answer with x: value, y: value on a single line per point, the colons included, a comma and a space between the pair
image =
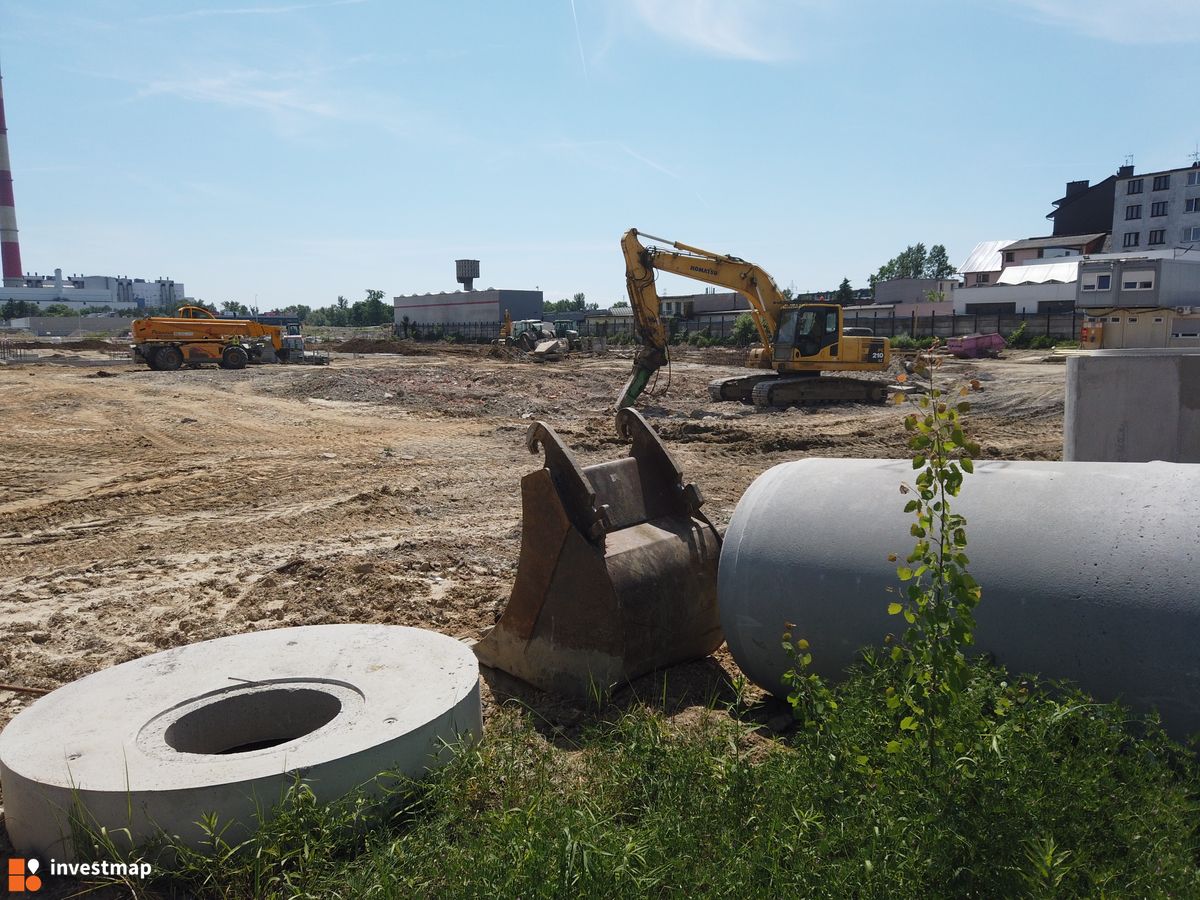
x: 468, y: 306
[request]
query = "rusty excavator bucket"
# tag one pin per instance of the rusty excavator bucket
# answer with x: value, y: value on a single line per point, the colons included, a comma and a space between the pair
x: 618, y: 569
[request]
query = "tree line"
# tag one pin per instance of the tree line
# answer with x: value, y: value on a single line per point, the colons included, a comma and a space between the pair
x: 914, y: 261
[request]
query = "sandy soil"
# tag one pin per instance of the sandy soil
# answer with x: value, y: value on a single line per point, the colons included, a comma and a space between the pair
x: 147, y: 510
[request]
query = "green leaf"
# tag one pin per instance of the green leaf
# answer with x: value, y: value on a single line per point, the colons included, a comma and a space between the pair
x: 892, y: 747
x: 894, y: 608
x: 967, y: 465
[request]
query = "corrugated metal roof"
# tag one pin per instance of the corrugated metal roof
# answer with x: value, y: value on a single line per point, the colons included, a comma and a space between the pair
x: 985, y: 257
x: 1065, y: 240
x: 1060, y: 272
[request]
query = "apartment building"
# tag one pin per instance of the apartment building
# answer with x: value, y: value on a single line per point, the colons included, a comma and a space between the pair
x: 1157, y: 210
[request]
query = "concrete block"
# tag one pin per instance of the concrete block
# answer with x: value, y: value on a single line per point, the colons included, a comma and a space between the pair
x: 1133, y: 406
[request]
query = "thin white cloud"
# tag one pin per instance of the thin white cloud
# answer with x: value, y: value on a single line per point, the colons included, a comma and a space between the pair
x: 246, y: 89
x: 753, y: 30
x: 579, y: 41
x: 299, y: 101
x: 1173, y: 21
x: 248, y: 10
x: 620, y: 146
x: 624, y: 148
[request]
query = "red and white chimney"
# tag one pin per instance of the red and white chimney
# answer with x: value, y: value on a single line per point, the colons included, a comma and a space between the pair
x: 10, y: 249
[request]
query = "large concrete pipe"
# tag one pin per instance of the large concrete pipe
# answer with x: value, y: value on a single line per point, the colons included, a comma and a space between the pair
x: 1089, y: 571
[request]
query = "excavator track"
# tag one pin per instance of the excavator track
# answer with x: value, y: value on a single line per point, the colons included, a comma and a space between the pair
x: 740, y: 388
x: 783, y: 391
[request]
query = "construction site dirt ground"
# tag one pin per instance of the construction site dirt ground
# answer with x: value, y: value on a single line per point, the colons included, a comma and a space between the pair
x: 150, y: 509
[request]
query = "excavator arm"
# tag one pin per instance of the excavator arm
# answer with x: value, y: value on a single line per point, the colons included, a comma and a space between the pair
x: 722, y: 270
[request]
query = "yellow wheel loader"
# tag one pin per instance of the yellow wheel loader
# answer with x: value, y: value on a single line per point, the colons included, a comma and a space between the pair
x: 195, y: 337
x: 618, y: 569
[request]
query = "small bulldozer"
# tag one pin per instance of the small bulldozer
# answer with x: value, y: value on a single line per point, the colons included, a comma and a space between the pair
x: 618, y: 569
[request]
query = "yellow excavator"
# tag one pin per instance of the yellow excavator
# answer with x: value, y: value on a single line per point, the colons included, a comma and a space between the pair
x: 800, y: 341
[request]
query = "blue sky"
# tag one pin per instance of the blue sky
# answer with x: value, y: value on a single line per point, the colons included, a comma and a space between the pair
x: 277, y: 151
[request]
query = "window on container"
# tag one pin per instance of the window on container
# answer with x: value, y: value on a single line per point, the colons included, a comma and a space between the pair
x: 1158, y: 320
x: 1115, y: 319
x: 1137, y: 281
x: 1133, y: 320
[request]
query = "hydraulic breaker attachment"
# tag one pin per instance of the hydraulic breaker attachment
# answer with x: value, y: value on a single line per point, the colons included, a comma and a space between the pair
x: 618, y: 569
x: 647, y: 361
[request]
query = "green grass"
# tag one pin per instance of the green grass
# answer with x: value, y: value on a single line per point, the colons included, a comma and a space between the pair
x: 907, y: 342
x: 1050, y: 795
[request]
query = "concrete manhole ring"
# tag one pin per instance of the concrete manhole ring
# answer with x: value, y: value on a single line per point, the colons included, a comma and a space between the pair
x: 225, y: 725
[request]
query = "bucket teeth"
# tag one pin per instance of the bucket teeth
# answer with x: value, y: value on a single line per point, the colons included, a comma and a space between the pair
x: 618, y: 569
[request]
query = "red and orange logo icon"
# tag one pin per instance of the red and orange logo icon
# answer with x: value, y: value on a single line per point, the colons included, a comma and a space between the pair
x: 23, y: 877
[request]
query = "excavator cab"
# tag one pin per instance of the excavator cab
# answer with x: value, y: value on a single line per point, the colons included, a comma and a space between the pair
x: 807, y: 330
x: 618, y: 569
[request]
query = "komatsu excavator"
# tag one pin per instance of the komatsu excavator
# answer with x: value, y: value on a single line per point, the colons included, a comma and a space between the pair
x: 800, y: 341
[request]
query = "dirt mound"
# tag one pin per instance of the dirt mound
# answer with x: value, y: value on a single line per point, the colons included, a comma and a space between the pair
x: 377, y: 345
x: 88, y: 344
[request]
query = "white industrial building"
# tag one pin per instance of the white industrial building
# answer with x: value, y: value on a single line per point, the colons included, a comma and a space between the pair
x: 1040, y: 286
x: 80, y: 291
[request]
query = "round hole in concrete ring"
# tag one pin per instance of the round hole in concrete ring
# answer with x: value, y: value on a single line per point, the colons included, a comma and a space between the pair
x: 254, y: 720
x: 249, y: 717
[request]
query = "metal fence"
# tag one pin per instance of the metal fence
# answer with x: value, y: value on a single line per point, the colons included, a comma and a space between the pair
x: 1062, y: 326
x: 486, y: 332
